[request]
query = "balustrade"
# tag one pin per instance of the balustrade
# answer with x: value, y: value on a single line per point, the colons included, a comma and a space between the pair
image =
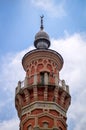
x: 33, y: 80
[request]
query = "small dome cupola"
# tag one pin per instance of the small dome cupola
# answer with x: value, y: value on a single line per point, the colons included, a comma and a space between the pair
x: 42, y: 40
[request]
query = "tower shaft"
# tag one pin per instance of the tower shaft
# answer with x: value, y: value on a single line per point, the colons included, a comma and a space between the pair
x: 42, y: 99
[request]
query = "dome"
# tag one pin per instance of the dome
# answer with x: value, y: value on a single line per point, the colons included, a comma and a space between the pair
x: 42, y: 40
x: 41, y: 34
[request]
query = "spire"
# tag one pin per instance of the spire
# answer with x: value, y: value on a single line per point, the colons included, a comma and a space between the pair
x: 42, y: 22
x: 42, y: 40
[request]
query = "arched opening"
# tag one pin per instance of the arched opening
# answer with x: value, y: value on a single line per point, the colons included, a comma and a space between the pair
x: 29, y: 127
x: 42, y: 78
x: 45, y: 125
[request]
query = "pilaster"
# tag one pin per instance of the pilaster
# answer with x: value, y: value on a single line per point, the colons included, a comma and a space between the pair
x: 56, y: 93
x: 35, y: 93
x: 27, y: 95
x: 45, y: 93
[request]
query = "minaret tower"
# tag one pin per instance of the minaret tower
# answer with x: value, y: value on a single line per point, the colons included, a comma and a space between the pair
x: 42, y: 99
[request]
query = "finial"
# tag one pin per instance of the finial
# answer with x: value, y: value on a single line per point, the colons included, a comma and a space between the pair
x: 42, y: 22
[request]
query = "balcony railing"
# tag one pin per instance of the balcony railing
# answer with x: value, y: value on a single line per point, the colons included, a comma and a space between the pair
x: 34, y: 80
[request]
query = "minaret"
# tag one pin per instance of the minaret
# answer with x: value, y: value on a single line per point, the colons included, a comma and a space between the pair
x: 42, y: 99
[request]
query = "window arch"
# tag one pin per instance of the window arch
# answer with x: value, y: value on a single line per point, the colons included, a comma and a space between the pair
x: 29, y: 127
x: 42, y: 78
x: 45, y: 125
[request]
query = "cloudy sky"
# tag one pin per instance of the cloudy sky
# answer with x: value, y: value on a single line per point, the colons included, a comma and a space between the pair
x: 65, y: 22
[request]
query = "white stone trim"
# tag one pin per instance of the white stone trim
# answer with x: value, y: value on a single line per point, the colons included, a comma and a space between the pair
x: 43, y: 105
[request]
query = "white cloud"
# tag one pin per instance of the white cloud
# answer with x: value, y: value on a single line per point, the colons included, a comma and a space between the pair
x: 12, y: 70
x: 12, y: 124
x: 53, y: 9
x: 73, y: 50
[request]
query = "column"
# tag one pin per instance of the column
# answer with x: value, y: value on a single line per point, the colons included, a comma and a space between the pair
x: 26, y: 92
x: 26, y: 82
x: 63, y: 84
x: 36, y: 127
x: 46, y: 78
x: 56, y: 94
x: 67, y: 88
x: 63, y: 97
x: 35, y: 79
x: 56, y: 80
x: 18, y: 87
x: 67, y: 103
x: 55, y: 125
x: 20, y: 99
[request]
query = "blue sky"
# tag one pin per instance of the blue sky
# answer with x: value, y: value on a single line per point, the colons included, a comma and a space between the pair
x: 20, y: 20
x: 65, y: 22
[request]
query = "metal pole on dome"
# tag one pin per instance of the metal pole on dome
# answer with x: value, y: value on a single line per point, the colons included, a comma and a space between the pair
x: 42, y: 22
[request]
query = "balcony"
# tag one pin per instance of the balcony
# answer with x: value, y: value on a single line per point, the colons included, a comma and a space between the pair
x: 40, y: 81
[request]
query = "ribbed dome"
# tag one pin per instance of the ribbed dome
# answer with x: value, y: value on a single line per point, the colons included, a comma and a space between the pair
x: 42, y: 40
x: 41, y: 34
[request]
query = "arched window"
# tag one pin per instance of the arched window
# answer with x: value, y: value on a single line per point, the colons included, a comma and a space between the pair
x: 45, y: 125
x: 42, y: 78
x: 29, y: 127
